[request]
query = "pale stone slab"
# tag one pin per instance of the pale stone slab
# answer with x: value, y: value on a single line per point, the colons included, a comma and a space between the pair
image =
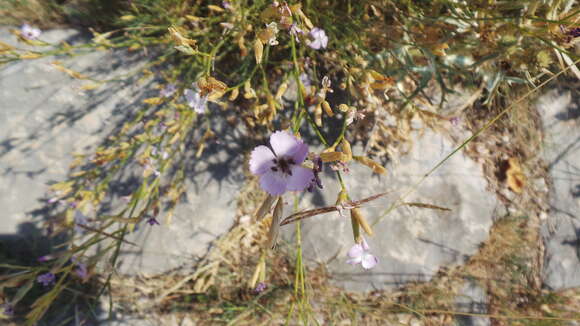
x: 410, y: 243
x: 560, y: 111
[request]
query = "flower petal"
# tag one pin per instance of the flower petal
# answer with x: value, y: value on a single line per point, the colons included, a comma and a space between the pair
x: 261, y: 160
x: 273, y: 183
x: 355, y: 251
x: 285, y: 144
x: 195, y: 101
x: 365, y: 245
x: 300, y: 178
x: 369, y: 261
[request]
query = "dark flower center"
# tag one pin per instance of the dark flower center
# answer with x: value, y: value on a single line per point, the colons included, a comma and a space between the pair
x: 283, y: 164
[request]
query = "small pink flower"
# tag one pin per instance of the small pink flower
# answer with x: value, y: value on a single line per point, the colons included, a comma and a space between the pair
x: 29, y: 32
x: 359, y: 254
x: 280, y: 168
x: 319, y: 39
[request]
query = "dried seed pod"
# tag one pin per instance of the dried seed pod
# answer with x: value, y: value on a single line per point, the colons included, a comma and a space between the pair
x: 376, y: 167
x: 265, y: 207
x: 347, y: 149
x: 258, y: 50
x: 234, y: 94
x: 281, y: 90
x: 327, y: 108
x: 318, y: 115
x: 357, y: 216
x: 333, y: 157
x: 343, y: 107
x: 275, y: 226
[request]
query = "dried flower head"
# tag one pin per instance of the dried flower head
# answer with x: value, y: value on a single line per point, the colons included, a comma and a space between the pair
x: 280, y: 168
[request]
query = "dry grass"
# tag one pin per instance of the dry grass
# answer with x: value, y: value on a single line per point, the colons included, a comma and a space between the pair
x: 507, y: 267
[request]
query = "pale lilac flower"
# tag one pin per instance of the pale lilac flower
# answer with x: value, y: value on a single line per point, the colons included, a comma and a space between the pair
x: 305, y: 80
x: 279, y: 169
x: 155, y: 152
x: 455, y: 121
x: 359, y: 254
x: 260, y: 287
x: 29, y: 32
x: 319, y: 39
x: 295, y: 30
x: 46, y: 279
x: 226, y: 5
x: 195, y: 100
x: 168, y: 90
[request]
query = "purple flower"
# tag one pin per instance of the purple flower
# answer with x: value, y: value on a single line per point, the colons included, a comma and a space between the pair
x: 168, y: 90
x: 260, y: 287
x: 46, y: 279
x: 8, y: 309
x: 195, y: 100
x: 359, y: 254
x: 29, y: 32
x: 316, y: 182
x: 45, y: 258
x: 279, y: 169
x: 81, y: 271
x: 305, y: 80
x: 455, y: 121
x: 152, y: 221
x: 319, y: 39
